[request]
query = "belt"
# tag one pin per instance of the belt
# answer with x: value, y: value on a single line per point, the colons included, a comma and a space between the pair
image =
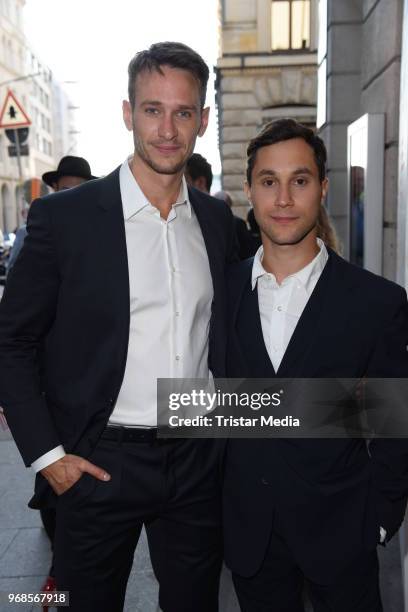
x: 129, y: 434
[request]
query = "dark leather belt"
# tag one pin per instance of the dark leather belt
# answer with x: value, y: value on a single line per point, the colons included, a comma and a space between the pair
x: 129, y: 434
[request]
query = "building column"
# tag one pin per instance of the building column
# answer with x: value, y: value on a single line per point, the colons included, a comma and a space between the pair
x: 402, y: 235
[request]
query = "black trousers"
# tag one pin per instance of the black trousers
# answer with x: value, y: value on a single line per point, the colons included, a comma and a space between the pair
x: 49, y: 517
x: 173, y: 488
x: 279, y: 585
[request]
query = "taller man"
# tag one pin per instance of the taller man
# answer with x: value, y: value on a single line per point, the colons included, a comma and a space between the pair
x: 123, y: 278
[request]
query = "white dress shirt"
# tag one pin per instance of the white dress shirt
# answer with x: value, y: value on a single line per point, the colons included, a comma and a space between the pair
x: 171, y: 293
x: 281, y: 305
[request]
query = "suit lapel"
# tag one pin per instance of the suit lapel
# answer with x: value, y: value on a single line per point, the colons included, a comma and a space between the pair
x: 110, y: 246
x: 206, y: 223
x: 247, y: 323
x: 324, y: 306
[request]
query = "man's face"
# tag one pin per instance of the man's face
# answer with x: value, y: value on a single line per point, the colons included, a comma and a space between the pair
x: 167, y: 118
x: 66, y: 182
x: 286, y: 191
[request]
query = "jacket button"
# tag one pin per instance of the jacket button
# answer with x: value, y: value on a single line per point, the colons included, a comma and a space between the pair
x: 264, y: 481
x: 111, y: 401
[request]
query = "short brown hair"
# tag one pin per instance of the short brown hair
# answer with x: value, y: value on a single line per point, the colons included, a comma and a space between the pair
x: 173, y: 54
x: 286, y: 129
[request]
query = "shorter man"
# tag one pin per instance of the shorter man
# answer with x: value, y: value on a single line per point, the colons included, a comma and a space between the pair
x: 309, y: 509
x: 71, y: 172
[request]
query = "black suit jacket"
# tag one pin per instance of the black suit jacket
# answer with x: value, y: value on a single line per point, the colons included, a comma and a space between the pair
x: 328, y: 495
x: 67, y: 298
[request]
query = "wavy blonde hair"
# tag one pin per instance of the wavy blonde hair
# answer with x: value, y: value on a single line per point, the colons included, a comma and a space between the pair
x: 326, y: 231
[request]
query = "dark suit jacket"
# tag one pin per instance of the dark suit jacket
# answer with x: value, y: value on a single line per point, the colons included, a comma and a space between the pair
x: 328, y: 496
x: 70, y: 288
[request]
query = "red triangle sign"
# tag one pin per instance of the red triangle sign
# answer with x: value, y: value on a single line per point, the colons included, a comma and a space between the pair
x: 12, y: 114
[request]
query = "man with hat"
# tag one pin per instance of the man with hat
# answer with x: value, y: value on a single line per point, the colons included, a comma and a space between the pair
x: 71, y: 172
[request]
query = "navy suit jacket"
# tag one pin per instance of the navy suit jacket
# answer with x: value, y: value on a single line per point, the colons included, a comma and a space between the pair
x: 67, y: 297
x: 329, y: 496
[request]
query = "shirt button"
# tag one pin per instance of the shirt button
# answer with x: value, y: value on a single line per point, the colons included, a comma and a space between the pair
x: 178, y: 357
x: 177, y: 313
x: 279, y: 308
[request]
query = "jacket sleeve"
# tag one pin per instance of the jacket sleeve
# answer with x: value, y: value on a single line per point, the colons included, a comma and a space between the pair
x: 389, y: 456
x: 27, y: 311
x: 17, y: 246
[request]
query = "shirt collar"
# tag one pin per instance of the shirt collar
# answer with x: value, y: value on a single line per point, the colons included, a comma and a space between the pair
x: 305, y: 276
x: 133, y: 198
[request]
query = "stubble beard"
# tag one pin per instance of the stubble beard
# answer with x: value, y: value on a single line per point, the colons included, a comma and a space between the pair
x: 175, y: 169
x: 295, y: 238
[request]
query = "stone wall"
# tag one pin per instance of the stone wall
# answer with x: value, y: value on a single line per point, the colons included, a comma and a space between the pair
x: 251, y: 97
x: 255, y: 85
x: 363, y: 74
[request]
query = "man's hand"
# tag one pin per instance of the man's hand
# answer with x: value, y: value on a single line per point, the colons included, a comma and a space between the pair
x: 65, y: 472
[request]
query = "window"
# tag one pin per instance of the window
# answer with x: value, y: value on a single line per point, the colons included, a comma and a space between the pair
x: 290, y: 25
x: 322, y: 66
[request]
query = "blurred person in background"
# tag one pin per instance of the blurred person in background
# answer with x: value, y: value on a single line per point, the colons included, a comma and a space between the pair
x: 199, y: 173
x: 245, y: 245
x: 71, y: 172
x: 254, y: 230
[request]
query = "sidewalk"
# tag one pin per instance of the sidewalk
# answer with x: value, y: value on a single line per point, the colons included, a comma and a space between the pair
x: 25, y: 556
x: 24, y: 547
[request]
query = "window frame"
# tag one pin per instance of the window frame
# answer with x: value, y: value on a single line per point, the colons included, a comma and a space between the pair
x: 291, y: 49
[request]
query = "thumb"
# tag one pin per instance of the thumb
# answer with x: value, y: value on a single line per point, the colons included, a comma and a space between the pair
x: 95, y: 471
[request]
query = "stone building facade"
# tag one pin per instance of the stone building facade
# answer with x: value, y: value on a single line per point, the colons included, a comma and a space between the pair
x: 363, y: 69
x: 359, y: 73
x: 267, y: 68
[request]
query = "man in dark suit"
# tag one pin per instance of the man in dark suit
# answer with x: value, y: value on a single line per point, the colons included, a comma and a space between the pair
x: 309, y: 509
x: 122, y: 280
